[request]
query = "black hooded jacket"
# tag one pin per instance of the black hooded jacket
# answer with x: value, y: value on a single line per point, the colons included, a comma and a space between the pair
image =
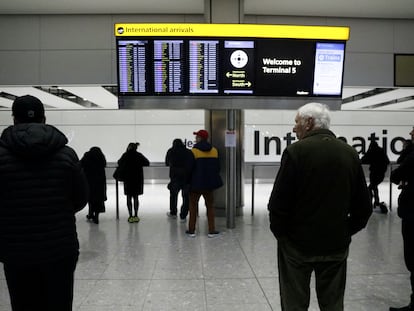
x: 42, y: 186
x: 180, y: 161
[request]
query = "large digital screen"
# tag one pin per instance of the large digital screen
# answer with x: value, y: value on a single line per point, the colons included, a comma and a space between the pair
x: 190, y: 61
x: 285, y: 67
x: 329, y: 61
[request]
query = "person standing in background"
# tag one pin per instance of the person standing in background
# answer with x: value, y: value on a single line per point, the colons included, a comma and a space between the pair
x: 378, y: 163
x: 408, y: 147
x: 205, y: 178
x: 132, y: 163
x: 42, y: 187
x: 179, y: 159
x: 403, y: 175
x: 94, y: 163
x: 319, y: 200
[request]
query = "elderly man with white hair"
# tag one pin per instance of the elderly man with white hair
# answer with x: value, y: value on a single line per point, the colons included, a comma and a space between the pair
x: 319, y: 200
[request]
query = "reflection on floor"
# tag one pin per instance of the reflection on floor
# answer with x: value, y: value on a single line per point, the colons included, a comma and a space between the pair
x: 153, y: 265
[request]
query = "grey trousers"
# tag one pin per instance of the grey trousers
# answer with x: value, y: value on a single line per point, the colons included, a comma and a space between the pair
x: 295, y: 270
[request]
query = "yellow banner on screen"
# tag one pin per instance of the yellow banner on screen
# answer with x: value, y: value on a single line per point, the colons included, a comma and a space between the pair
x: 233, y: 30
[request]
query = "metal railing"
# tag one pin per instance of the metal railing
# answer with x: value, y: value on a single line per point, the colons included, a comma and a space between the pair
x: 254, y: 166
x: 392, y: 166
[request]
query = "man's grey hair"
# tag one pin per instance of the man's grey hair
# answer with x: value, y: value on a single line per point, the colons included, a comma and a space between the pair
x: 318, y: 112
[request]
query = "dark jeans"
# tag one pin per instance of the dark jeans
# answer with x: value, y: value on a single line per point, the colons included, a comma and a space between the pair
x: 46, y: 287
x: 407, y: 230
x: 175, y: 188
x: 295, y: 270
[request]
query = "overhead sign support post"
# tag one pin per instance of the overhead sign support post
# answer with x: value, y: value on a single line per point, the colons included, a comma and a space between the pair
x: 231, y: 168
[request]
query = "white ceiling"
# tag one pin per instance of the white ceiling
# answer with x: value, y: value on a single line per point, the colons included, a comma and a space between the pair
x: 102, y: 7
x: 103, y: 99
x: 332, y: 8
x: 337, y: 8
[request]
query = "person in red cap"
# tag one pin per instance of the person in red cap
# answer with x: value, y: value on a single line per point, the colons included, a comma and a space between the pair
x: 205, y: 178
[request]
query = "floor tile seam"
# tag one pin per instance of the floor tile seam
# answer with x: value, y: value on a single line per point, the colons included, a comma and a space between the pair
x: 100, y: 277
x: 377, y: 274
x: 85, y: 299
x: 202, y: 253
x: 255, y: 275
x: 115, y: 279
x: 147, y: 292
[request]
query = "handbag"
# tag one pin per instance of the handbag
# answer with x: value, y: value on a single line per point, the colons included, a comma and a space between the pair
x: 119, y: 174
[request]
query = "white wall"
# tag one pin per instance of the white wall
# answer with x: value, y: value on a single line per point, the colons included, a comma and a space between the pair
x: 357, y: 127
x: 80, y: 49
x: 112, y: 130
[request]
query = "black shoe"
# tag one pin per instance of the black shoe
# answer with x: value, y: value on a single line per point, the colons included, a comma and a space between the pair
x: 406, y: 308
x: 383, y: 208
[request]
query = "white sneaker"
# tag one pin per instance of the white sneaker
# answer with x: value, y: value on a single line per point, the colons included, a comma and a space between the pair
x: 213, y: 234
x: 190, y: 234
x: 171, y: 215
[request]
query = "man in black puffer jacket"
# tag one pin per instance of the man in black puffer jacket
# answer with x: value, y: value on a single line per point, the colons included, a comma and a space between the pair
x: 42, y: 186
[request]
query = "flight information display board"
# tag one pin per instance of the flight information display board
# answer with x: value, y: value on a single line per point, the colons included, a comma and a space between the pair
x: 185, y: 63
x: 203, y: 66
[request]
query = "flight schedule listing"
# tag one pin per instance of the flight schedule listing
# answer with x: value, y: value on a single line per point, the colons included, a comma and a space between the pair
x: 203, y: 63
x: 168, y: 66
x: 132, y: 66
x: 231, y: 66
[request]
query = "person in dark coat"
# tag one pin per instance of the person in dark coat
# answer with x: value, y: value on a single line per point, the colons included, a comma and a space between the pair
x: 131, y: 164
x: 319, y: 200
x: 205, y: 178
x: 179, y: 160
x: 408, y: 147
x: 378, y: 163
x: 42, y: 187
x: 94, y: 163
x: 403, y: 175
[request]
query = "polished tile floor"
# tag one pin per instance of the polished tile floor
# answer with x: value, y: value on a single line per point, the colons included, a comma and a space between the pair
x: 154, y: 266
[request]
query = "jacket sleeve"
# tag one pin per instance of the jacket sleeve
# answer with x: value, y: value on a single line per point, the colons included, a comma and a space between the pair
x: 167, y: 158
x: 80, y: 188
x: 361, y: 206
x: 144, y: 161
x: 281, y: 197
x: 401, y: 173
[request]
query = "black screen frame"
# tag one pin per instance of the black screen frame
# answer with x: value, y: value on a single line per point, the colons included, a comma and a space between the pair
x: 150, y: 69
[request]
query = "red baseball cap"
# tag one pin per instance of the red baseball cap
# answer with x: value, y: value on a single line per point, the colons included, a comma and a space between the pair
x: 202, y: 133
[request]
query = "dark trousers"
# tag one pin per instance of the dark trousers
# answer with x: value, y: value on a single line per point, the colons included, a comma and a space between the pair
x: 45, y: 287
x: 373, y: 188
x: 295, y: 270
x: 209, y: 201
x: 95, y: 207
x: 174, y: 190
x: 374, y: 180
x: 407, y: 230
